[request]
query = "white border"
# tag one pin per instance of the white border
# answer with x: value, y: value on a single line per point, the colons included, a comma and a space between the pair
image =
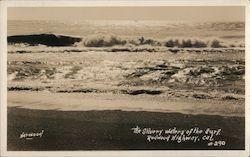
x: 86, y: 3
x: 96, y: 3
x: 247, y: 78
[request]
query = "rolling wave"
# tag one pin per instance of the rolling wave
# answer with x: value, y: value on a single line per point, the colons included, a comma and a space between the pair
x: 44, y: 39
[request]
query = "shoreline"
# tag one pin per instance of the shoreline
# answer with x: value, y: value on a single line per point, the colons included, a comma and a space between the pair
x: 143, y: 102
x: 77, y: 121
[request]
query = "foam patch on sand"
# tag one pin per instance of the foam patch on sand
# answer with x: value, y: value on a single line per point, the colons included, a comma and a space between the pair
x: 87, y: 102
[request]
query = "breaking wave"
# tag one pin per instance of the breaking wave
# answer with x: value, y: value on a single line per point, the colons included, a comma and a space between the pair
x: 112, y: 40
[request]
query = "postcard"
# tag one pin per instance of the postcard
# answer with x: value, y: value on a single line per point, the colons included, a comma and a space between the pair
x: 133, y: 78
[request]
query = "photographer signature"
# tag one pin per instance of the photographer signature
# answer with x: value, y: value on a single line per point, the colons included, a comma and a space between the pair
x: 31, y: 135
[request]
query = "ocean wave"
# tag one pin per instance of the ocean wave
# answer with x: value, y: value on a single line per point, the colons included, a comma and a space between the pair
x: 102, y: 41
x: 44, y: 39
x: 140, y: 91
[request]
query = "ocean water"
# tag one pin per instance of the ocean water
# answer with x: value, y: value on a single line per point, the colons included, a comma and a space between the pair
x: 132, y: 57
x: 153, y: 29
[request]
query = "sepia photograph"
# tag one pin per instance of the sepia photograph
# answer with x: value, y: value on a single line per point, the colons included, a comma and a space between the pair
x: 125, y: 78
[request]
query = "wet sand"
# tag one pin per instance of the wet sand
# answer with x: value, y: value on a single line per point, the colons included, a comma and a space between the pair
x: 110, y: 129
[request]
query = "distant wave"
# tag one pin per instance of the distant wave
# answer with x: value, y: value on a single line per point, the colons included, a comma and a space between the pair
x: 44, y: 39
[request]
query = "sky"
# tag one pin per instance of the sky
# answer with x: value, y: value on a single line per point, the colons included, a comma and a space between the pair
x: 174, y: 13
